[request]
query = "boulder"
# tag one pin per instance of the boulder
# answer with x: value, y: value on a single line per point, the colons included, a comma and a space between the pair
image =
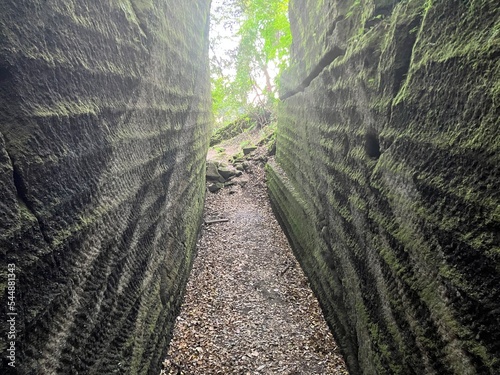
x: 213, y: 172
x: 249, y: 149
x: 226, y: 172
x: 215, y: 187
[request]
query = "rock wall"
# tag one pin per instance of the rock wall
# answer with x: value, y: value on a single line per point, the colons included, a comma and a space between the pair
x: 104, y: 119
x: 386, y: 178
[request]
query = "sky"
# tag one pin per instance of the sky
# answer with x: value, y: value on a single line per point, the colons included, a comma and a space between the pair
x: 223, y: 37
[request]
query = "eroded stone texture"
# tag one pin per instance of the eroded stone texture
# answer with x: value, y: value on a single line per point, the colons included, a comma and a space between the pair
x: 104, y: 117
x: 387, y: 179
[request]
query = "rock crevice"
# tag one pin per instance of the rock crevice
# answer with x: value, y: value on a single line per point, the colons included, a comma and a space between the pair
x: 22, y: 196
x: 327, y: 59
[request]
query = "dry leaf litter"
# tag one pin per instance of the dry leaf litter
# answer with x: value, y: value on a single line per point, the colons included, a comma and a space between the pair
x: 248, y: 308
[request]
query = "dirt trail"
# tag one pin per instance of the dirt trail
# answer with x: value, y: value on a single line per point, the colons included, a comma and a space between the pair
x: 248, y: 308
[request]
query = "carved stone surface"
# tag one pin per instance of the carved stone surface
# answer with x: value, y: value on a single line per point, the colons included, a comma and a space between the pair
x: 387, y: 179
x: 104, y: 118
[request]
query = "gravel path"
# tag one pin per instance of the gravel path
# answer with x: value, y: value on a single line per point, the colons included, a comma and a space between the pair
x: 248, y: 308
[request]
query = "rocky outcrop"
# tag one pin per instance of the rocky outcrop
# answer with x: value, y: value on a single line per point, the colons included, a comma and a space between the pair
x: 104, y: 117
x: 219, y: 175
x: 257, y: 118
x: 387, y: 179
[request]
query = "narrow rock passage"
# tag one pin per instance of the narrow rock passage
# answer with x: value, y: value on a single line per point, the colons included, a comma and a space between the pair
x: 248, y: 308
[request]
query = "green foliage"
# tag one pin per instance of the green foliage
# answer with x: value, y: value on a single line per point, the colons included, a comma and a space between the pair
x: 265, y: 38
x: 247, y: 76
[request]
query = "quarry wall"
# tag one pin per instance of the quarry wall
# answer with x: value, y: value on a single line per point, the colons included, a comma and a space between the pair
x: 104, y: 122
x: 386, y: 179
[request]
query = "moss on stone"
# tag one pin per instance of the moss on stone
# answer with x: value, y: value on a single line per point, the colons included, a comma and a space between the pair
x: 411, y: 225
x: 106, y: 124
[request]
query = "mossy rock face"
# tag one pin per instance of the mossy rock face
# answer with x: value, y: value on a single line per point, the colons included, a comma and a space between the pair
x: 386, y: 179
x: 259, y: 118
x: 99, y: 101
